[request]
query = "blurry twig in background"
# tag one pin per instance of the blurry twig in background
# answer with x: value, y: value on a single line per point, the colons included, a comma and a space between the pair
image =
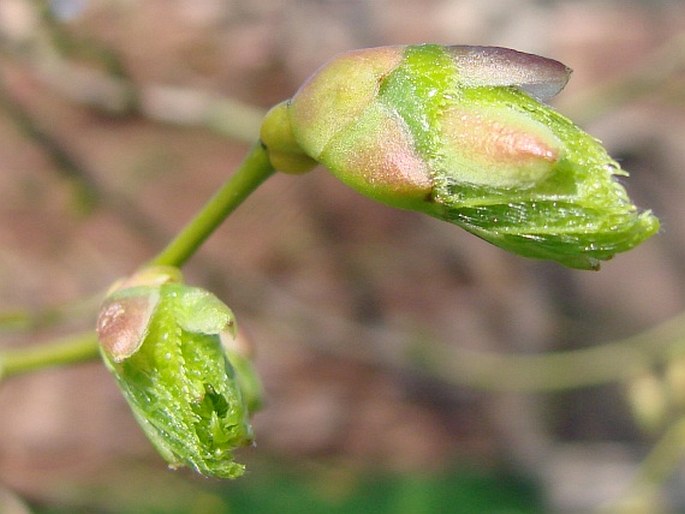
x: 46, y: 49
x: 662, y: 460
x: 86, y: 191
x: 555, y: 371
x: 190, y: 107
x: 602, y: 363
x: 655, y: 469
x: 90, y: 193
x: 51, y: 52
x: 30, y: 320
x: 46, y: 46
x: 66, y: 350
x: 76, y: 48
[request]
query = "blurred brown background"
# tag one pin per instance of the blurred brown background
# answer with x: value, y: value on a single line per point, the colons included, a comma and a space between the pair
x: 118, y: 118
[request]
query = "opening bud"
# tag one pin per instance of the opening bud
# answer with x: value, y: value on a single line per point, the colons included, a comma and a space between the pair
x: 162, y: 341
x: 460, y: 133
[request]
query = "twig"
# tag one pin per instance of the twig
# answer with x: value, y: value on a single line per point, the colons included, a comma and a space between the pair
x: 254, y: 170
x: 28, y: 320
x: 69, y: 350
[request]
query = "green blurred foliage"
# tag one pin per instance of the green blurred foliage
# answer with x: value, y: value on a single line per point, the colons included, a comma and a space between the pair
x: 457, y: 491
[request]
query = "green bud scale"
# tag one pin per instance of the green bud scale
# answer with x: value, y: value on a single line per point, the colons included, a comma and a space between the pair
x: 461, y: 133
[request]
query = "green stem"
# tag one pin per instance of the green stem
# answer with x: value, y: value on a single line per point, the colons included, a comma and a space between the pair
x: 70, y: 350
x: 254, y: 170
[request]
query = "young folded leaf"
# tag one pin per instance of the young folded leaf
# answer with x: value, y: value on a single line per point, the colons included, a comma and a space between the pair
x: 460, y: 133
x: 161, y: 340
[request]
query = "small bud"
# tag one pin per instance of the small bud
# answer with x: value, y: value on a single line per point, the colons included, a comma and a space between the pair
x: 459, y: 133
x: 285, y: 153
x: 162, y: 341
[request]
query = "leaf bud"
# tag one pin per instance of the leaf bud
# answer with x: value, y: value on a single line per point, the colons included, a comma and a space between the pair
x: 162, y: 341
x: 461, y: 133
